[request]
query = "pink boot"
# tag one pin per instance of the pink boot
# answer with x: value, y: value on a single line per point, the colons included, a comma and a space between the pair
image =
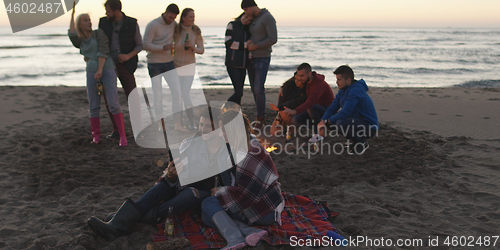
x: 95, y: 127
x: 121, y: 129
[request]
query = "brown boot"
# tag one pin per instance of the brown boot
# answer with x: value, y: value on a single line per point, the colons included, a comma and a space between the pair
x: 259, y: 124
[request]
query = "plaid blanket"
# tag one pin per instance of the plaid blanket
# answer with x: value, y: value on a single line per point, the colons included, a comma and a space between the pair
x: 302, y: 217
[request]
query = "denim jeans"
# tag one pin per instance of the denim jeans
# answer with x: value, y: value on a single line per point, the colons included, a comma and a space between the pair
x: 355, y: 129
x: 237, y: 76
x: 316, y: 111
x: 108, y: 81
x: 257, y: 73
x: 167, y: 71
x: 211, y: 205
x: 188, y: 198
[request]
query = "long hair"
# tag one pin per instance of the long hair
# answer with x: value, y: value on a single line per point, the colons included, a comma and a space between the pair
x: 233, y: 131
x: 178, y: 28
x: 79, y: 31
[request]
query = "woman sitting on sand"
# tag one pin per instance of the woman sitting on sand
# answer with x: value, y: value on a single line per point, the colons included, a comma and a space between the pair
x: 94, y: 46
x: 255, y: 199
x: 188, y: 41
x: 237, y: 55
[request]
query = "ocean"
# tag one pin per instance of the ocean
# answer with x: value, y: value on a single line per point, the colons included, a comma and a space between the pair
x: 383, y: 57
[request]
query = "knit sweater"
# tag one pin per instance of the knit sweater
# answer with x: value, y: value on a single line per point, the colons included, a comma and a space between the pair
x: 158, y: 33
x: 184, y: 57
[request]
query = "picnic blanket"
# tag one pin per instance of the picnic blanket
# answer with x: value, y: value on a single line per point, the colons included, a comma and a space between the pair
x: 301, y: 217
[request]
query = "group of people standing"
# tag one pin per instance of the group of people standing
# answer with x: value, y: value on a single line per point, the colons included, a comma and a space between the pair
x: 249, y: 193
x: 171, y: 49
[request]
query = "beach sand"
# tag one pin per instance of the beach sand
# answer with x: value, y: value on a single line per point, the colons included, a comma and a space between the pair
x: 432, y: 171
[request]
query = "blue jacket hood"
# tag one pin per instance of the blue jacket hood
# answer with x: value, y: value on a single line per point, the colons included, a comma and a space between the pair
x: 359, y: 84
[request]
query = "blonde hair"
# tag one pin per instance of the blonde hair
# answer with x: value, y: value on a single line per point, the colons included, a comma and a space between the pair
x: 78, y: 22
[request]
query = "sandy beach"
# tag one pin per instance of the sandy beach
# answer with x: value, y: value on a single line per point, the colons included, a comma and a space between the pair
x: 432, y: 171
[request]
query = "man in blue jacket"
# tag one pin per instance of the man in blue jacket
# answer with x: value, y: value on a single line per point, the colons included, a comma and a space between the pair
x: 352, y: 111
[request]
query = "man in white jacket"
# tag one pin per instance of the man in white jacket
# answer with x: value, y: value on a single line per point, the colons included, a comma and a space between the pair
x: 158, y: 42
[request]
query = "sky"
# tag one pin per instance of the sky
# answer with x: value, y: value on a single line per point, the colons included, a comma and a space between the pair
x: 352, y: 13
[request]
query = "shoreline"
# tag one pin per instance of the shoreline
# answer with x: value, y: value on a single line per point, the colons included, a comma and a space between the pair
x: 429, y: 173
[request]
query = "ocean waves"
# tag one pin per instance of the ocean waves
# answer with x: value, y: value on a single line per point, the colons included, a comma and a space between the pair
x: 481, y: 84
x: 6, y: 77
x: 383, y: 57
x: 34, y: 46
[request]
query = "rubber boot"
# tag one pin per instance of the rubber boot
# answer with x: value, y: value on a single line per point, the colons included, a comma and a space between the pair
x: 121, y: 129
x: 229, y: 231
x: 126, y: 216
x: 95, y: 127
x: 149, y: 218
x: 252, y: 235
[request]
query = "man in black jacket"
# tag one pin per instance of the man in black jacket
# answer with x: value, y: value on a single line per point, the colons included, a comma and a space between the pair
x: 125, y: 43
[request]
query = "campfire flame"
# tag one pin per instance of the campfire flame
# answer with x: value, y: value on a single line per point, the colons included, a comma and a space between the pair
x: 271, y: 149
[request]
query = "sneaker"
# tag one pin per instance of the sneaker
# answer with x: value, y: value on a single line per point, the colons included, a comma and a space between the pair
x: 359, y: 148
x: 316, y: 138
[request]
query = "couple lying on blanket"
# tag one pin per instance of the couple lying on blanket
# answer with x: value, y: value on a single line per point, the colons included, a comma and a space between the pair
x: 250, y: 193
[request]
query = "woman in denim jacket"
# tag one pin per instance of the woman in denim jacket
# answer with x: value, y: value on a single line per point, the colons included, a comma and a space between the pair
x: 94, y: 45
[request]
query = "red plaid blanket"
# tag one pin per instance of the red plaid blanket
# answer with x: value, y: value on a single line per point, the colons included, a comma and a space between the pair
x: 302, y: 217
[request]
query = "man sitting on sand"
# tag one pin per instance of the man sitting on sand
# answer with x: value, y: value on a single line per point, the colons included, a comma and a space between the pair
x: 155, y: 203
x: 292, y: 94
x: 319, y: 97
x: 352, y: 111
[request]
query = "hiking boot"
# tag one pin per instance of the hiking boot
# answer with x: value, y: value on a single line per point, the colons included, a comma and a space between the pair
x: 259, y: 124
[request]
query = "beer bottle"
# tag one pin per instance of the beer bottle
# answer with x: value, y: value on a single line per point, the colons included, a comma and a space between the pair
x: 169, y: 223
x: 186, y: 41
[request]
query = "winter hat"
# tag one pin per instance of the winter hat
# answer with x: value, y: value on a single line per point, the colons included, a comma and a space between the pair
x: 247, y: 3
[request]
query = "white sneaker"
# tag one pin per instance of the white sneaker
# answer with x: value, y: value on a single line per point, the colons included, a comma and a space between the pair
x: 316, y: 138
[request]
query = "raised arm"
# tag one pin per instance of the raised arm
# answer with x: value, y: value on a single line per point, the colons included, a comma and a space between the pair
x: 72, y: 26
x: 73, y: 36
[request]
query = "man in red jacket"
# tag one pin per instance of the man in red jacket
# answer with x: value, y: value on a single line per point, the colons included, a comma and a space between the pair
x: 319, y: 97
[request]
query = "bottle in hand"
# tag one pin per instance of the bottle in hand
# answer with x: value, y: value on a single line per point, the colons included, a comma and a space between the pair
x: 186, y: 41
